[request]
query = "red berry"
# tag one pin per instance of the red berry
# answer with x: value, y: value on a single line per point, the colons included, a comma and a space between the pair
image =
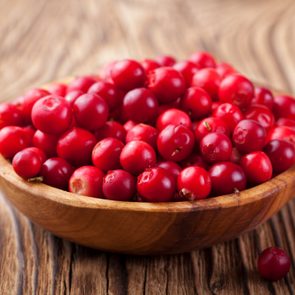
x: 281, y: 132
x: 81, y: 84
x: 284, y: 106
x: 136, y: 156
x: 286, y: 122
x: 76, y: 146
x: 111, y: 129
x: 140, y: 105
x: 171, y: 167
x: 52, y: 114
x: 203, y: 60
x: 56, y: 172
x: 129, y: 125
x: 28, y: 162
x: 72, y: 96
x: 175, y: 143
x: 149, y: 65
x: 58, y: 89
x: 127, y: 74
x: 143, y: 132
x: 281, y: 154
x: 29, y: 133
x: 227, y: 178
x: 106, y: 154
x: 166, y: 83
x: 156, y: 185
x: 194, y: 160
x: 273, y: 264
x: 118, y: 185
x: 257, y: 167
x: 165, y: 60
x: 196, y: 102
x: 235, y: 156
x: 187, y: 69
x: 249, y: 136
x: 237, y: 90
x: 45, y: 142
x: 263, y: 96
x: 87, y: 181
x: 10, y: 115
x: 224, y: 69
x: 194, y: 183
x: 216, y: 147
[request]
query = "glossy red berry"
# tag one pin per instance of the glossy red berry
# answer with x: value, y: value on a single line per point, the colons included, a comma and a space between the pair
x: 236, y: 89
x: 249, y: 136
x: 10, y: 115
x: 156, y: 185
x: 136, y: 156
x: 119, y: 185
x: 216, y: 147
x: 149, y: 65
x: 45, y: 142
x: 257, y: 167
x: 273, y: 264
x: 143, y: 132
x: 170, y: 166
x: 52, y: 114
x: 106, y: 154
x: 224, y: 69
x: 227, y: 178
x: 286, y: 122
x: 129, y: 125
x: 235, y: 156
x: 82, y: 84
x: 194, y: 160
x: 127, y: 74
x: 194, y: 183
x: 187, y: 69
x: 263, y: 96
x: 165, y: 60
x: 111, y: 129
x: 87, y: 181
x: 283, y: 133
x: 284, y: 106
x: 175, y: 143
x: 59, y: 89
x: 203, y: 60
x: 76, y: 146
x: 72, y: 96
x: 166, y: 83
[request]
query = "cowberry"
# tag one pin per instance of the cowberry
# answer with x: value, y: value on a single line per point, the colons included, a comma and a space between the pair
x: 170, y: 166
x: 203, y: 60
x: 82, y: 84
x: 143, y: 132
x: 10, y: 115
x: 59, y: 89
x: 165, y: 60
x: 45, y: 142
x: 281, y: 132
x: 284, y: 106
x: 224, y: 69
x: 286, y: 122
x: 111, y: 129
x: 263, y: 96
x: 149, y: 65
x: 187, y: 69
x: 72, y: 96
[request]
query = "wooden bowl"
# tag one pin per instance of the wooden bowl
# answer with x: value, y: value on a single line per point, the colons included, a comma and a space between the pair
x: 146, y: 228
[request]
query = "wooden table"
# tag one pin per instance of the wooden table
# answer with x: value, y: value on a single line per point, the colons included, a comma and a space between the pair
x: 44, y: 40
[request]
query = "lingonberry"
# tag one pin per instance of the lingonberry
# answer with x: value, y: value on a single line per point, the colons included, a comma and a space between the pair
x: 127, y: 74
x: 215, y: 105
x: 257, y: 167
x: 194, y: 183
x: 149, y: 65
x: 87, y: 181
x: 111, y: 129
x: 136, y: 156
x: 156, y: 185
x: 56, y: 172
x: 72, y: 96
x: 166, y: 83
x: 263, y: 96
x: 143, y: 132
x: 224, y: 69
x: 281, y: 154
x: 216, y: 147
x: 235, y: 156
x: 196, y: 102
x: 284, y: 106
x: 29, y: 132
x: 273, y: 264
x: 286, y: 122
x: 82, y: 84
x: 209, y: 80
x: 172, y: 105
x: 118, y: 185
x: 194, y: 160
x: 106, y: 154
x: 76, y: 146
x: 28, y: 162
x: 237, y: 90
x: 249, y: 136
x: 281, y: 132
x: 165, y: 60
x: 45, y: 142
x: 170, y: 166
x: 173, y: 117
x: 10, y: 115
x: 140, y: 105
x: 59, y: 89
x: 203, y: 60
x: 187, y: 69
x: 129, y: 125
x: 175, y: 143
x: 227, y: 178
x: 52, y: 114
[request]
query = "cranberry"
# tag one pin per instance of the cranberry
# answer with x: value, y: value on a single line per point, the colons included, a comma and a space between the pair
x: 257, y: 167
x: 172, y: 105
x: 10, y: 115
x: 106, y: 154
x: 171, y: 167
x: 111, y: 129
x: 166, y: 83
x: 149, y: 65
x: 81, y: 84
x: 194, y: 183
x: 286, y: 122
x: 52, y: 114
x: 12, y: 140
x: 236, y: 89
x: 136, y: 156
x: 28, y: 162
x: 29, y: 132
x: 58, y: 89
x: 119, y: 185
x: 282, y: 132
x: 187, y: 69
x: 209, y: 80
x: 235, y: 156
x: 175, y: 143
x: 196, y: 102
x: 173, y: 117
x: 249, y: 136
x: 105, y: 71
x: 129, y: 125
x: 76, y: 146
x: 224, y: 69
x: 263, y: 96
x: 128, y: 74
x: 165, y: 60
x: 45, y: 142
x: 156, y: 185
x: 230, y: 114
x: 143, y: 132
x: 87, y: 181
x: 284, y: 106
x: 140, y: 105
x: 72, y: 96
x: 281, y: 154
x: 56, y: 172
x: 273, y: 264
x: 227, y: 178
x: 261, y: 114
x: 215, y: 105
x: 203, y: 60
x: 216, y: 147
x: 194, y: 160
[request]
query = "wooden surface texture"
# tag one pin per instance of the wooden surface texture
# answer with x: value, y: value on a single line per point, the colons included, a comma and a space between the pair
x: 44, y: 40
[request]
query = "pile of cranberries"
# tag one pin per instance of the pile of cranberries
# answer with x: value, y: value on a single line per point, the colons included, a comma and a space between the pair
x: 155, y: 130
